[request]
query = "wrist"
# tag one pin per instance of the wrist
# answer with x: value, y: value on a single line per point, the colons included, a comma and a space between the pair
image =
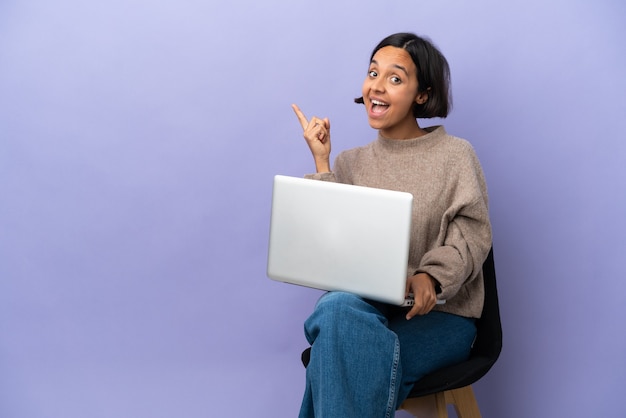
x: 434, y: 281
x: 322, y: 165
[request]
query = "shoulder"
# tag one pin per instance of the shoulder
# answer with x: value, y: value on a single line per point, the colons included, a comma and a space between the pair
x: 452, y: 141
x: 457, y: 148
x: 356, y: 154
x: 460, y: 159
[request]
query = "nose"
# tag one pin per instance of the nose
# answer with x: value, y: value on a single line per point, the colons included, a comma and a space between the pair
x: 378, y: 84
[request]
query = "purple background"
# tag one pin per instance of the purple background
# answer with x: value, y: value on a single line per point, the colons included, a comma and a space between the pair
x: 138, y: 141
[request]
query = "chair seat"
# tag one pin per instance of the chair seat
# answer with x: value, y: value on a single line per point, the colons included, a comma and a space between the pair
x: 452, y: 377
x: 448, y: 378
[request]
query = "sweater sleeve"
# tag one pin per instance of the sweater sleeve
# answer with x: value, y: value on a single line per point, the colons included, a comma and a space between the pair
x: 330, y: 176
x: 464, y: 234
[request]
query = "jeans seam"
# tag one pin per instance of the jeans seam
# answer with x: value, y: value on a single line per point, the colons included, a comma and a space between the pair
x: 391, y: 403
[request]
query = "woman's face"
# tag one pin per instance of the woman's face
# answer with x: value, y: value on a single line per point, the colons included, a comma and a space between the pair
x: 390, y: 91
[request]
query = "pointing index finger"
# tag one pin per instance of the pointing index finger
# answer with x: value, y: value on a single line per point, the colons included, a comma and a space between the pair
x: 303, y: 121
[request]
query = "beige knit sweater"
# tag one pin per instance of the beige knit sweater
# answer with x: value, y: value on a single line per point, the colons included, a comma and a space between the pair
x: 451, y: 233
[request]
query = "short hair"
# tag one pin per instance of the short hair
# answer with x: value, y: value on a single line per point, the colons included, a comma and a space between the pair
x: 433, y: 73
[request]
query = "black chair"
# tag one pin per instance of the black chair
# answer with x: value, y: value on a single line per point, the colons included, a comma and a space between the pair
x: 452, y: 385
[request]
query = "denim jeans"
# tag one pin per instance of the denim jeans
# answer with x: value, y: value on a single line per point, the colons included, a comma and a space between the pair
x: 365, y: 356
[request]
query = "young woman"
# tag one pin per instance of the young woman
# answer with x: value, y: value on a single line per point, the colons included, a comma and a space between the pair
x: 366, y: 356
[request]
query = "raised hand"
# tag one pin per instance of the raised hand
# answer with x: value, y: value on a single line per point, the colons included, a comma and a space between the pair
x: 317, y: 135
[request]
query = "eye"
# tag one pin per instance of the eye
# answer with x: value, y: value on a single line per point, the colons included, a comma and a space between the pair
x: 372, y: 73
x: 396, y: 80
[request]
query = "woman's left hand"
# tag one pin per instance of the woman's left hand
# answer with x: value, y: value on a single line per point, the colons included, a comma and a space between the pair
x: 422, y: 286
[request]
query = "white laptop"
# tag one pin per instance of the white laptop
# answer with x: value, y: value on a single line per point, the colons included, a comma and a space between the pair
x: 334, y: 236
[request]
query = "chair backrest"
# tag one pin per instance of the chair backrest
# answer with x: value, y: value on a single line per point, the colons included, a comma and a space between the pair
x: 489, y: 328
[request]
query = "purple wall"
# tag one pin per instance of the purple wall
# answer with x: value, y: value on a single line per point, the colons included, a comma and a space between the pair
x: 138, y: 141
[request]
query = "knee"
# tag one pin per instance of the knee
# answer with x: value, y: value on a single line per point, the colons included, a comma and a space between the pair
x: 344, y: 316
x: 338, y: 299
x: 334, y: 314
x: 338, y: 309
x: 340, y: 305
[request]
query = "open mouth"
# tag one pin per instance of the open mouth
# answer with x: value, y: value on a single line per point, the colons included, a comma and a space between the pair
x: 379, y: 107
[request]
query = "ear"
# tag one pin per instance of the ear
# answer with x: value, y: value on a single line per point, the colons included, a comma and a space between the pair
x: 422, y: 97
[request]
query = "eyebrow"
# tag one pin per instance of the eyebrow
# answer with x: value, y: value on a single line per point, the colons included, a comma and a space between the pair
x: 395, y: 66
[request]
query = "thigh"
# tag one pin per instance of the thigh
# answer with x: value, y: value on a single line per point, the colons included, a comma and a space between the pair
x: 432, y: 341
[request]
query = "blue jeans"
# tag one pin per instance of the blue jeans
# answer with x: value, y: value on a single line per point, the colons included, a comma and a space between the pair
x: 365, y: 356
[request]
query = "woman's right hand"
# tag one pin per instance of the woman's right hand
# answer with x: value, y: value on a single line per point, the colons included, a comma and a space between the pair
x: 317, y: 136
